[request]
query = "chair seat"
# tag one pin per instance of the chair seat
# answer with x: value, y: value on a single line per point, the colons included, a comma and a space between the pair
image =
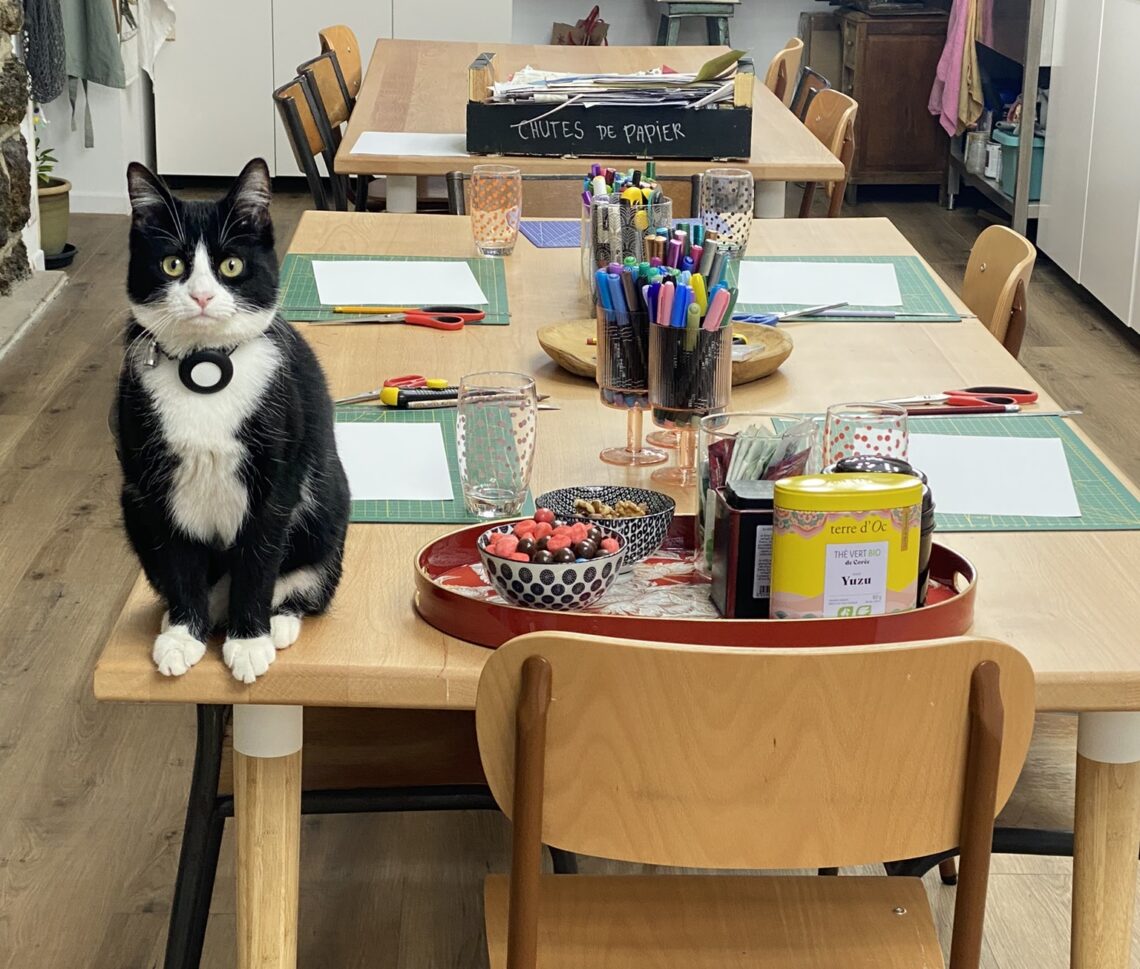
x: 720, y: 922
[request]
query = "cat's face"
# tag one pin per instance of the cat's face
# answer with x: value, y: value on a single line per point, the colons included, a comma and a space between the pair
x: 202, y: 274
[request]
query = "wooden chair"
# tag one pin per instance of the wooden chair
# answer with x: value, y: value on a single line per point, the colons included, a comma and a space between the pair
x: 783, y: 68
x: 736, y: 759
x: 831, y: 118
x: 808, y: 85
x: 309, y: 137
x: 341, y: 42
x: 332, y: 105
x: 996, y: 281
x: 560, y: 196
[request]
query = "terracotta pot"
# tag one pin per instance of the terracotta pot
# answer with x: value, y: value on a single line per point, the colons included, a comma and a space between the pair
x: 55, y: 206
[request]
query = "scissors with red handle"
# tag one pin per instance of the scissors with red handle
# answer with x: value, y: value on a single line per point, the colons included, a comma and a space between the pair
x: 434, y: 317
x: 970, y: 397
x: 415, y: 381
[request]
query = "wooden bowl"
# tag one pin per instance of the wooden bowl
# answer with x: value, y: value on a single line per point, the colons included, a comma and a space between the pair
x: 565, y: 344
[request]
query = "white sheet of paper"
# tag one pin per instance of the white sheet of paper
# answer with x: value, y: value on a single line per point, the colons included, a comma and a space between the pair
x: 410, y: 143
x: 394, y: 461
x: 1022, y: 476
x: 817, y: 283
x: 385, y: 283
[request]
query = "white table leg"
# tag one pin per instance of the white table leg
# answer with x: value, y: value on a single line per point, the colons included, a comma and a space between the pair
x: 267, y: 808
x: 1106, y: 839
x: 770, y: 198
x: 401, y: 195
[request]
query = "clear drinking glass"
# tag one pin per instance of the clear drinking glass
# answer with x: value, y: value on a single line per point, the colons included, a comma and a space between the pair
x: 746, y: 445
x: 494, y: 199
x: 690, y: 375
x: 495, y: 429
x: 728, y: 198
x: 878, y: 429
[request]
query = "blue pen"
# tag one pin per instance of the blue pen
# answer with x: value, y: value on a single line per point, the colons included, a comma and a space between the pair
x: 602, y: 285
x: 654, y: 295
x: 676, y: 318
x: 687, y: 264
x: 645, y: 300
x: 617, y: 297
x: 685, y: 277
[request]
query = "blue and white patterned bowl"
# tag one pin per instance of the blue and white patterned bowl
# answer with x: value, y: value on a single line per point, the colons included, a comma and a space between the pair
x: 643, y: 534
x: 561, y: 586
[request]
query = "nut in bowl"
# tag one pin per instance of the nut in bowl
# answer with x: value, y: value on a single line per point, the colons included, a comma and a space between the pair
x: 578, y: 571
x: 642, y: 517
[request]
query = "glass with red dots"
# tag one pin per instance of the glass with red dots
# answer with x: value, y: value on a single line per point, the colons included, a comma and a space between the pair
x: 854, y: 429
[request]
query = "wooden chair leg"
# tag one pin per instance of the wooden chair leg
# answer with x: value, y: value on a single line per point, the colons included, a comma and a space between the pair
x: 201, y: 842
x: 948, y: 871
x: 805, y: 202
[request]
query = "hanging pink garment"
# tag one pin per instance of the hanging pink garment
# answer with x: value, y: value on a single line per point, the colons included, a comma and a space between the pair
x: 947, y: 88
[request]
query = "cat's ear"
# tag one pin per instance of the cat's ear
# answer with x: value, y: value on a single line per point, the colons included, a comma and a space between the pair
x: 249, y: 197
x: 149, y: 196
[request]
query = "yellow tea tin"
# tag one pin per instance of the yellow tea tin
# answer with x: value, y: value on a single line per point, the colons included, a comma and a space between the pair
x: 845, y: 545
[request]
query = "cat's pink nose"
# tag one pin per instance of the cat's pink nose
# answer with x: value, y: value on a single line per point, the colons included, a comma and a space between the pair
x: 201, y: 300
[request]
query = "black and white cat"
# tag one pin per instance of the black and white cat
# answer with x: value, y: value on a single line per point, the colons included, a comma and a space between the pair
x: 233, y: 495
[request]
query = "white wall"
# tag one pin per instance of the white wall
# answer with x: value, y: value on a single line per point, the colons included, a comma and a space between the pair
x: 759, y: 26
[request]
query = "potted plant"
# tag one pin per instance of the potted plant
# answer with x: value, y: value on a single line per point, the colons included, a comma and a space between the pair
x: 54, y: 203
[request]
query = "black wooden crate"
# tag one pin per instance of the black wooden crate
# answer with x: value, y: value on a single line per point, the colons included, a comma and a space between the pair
x: 609, y: 131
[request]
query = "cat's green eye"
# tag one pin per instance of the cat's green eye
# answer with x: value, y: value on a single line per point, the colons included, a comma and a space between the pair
x: 173, y: 266
x: 231, y: 267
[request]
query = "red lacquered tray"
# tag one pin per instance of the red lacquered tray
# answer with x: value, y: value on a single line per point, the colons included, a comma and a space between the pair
x: 663, y: 600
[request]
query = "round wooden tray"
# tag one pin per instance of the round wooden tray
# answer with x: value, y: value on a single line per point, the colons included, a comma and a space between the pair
x: 565, y: 344
x: 665, y: 601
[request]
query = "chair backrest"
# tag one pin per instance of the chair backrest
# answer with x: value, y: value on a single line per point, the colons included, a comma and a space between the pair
x: 309, y: 139
x: 996, y: 283
x: 808, y: 85
x: 560, y: 196
x: 749, y: 758
x: 783, y: 68
x: 831, y: 118
x: 330, y: 93
x: 341, y: 41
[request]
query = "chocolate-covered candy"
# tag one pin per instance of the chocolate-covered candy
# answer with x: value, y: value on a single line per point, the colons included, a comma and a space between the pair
x: 540, y: 545
x: 525, y: 545
x: 594, y: 534
x: 585, y: 550
x: 542, y: 557
x: 563, y: 555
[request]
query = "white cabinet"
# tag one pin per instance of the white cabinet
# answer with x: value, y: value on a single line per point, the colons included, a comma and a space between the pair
x: 1068, y: 145
x: 1090, y: 214
x: 295, y: 27
x: 212, y: 109
x: 1108, y: 262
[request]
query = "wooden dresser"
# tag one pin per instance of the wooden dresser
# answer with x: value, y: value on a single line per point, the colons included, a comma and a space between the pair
x: 888, y: 67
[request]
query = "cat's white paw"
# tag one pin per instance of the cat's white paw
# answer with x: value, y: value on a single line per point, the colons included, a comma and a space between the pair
x: 249, y: 658
x: 176, y: 650
x: 284, y: 630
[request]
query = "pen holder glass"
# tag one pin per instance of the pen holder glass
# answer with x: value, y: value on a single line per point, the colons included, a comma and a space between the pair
x: 690, y: 375
x: 746, y: 445
x: 611, y: 231
x: 623, y: 376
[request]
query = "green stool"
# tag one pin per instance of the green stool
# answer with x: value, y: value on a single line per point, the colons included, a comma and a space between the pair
x: 715, y: 12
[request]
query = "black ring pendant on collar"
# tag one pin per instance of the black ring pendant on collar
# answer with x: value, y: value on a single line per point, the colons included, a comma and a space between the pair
x: 206, y: 371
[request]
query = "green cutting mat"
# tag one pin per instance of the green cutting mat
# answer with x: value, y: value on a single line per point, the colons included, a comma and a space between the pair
x: 437, y: 512
x: 1106, y: 504
x: 299, y: 299
x: 920, y: 292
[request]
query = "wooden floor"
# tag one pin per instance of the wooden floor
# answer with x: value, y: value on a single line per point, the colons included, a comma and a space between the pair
x: 91, y: 796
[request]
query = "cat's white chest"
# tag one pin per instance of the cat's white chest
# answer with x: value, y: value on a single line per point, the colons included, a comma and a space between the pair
x: 208, y: 498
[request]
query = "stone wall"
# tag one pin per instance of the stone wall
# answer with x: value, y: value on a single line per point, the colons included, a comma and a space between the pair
x: 15, y: 173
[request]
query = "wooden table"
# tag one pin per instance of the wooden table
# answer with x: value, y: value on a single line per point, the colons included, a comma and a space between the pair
x: 1066, y: 599
x: 421, y: 86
